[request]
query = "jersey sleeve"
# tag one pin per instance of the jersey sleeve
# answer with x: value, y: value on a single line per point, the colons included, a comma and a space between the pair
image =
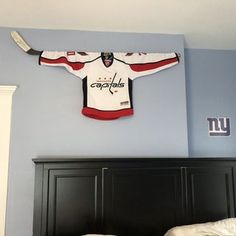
x: 71, y: 61
x: 140, y: 64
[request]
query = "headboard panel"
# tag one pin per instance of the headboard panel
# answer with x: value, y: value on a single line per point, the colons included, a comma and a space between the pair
x: 130, y: 196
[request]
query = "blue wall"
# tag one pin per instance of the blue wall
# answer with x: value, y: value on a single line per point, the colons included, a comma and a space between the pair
x: 46, y: 118
x: 211, y: 92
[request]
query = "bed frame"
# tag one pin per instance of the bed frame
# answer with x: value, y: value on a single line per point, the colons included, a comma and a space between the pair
x: 130, y: 196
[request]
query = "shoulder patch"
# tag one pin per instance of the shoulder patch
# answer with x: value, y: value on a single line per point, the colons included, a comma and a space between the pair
x: 129, y: 54
x: 82, y: 53
x: 71, y: 53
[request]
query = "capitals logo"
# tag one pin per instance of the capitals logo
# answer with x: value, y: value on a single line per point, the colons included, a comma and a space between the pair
x: 109, y: 84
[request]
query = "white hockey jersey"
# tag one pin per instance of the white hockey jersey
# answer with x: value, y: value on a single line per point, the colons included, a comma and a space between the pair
x: 107, y: 77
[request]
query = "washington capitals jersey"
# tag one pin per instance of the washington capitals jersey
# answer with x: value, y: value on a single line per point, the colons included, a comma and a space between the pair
x: 107, y: 78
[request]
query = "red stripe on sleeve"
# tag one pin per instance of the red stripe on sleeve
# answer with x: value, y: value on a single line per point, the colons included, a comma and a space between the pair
x: 62, y: 60
x: 152, y: 65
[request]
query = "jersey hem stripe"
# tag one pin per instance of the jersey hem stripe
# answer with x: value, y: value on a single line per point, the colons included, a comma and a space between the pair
x: 106, y: 115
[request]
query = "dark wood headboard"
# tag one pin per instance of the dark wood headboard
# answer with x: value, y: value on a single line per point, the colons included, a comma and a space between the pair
x: 130, y: 196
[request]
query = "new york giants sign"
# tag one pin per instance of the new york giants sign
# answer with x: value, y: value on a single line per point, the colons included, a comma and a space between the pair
x: 219, y: 126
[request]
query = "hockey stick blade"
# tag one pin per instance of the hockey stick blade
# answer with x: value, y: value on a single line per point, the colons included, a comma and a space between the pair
x: 22, y: 44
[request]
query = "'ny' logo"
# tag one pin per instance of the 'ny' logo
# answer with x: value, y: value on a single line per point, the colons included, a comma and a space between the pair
x: 219, y: 126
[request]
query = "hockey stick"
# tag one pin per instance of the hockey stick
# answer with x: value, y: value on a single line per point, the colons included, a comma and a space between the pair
x: 23, y: 45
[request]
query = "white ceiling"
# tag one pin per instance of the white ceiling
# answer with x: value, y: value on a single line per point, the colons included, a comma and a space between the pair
x: 205, y: 23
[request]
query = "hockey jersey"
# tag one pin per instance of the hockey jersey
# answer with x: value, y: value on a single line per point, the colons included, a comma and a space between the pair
x: 107, y: 78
